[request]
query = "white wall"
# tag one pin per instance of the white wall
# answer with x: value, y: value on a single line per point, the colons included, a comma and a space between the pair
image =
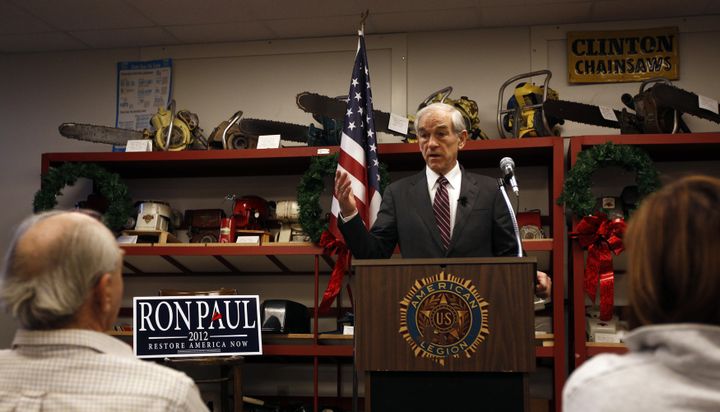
x: 40, y: 91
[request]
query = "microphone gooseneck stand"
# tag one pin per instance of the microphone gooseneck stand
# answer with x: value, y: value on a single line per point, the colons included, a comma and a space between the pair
x: 501, y: 184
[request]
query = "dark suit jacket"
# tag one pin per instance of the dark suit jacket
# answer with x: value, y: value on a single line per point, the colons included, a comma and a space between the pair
x: 483, y: 226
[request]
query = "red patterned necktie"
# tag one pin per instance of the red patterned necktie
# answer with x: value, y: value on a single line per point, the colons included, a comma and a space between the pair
x: 441, y: 208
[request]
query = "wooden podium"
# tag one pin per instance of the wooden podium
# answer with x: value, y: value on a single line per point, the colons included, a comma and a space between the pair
x: 445, y: 334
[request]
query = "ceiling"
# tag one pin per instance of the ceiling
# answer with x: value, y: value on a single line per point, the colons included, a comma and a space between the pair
x: 55, y: 25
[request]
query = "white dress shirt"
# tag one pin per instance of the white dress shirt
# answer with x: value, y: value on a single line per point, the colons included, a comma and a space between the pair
x: 454, y: 178
x: 82, y: 370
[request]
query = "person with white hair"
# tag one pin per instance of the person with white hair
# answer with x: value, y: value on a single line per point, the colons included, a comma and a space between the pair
x: 62, y: 281
x: 444, y: 211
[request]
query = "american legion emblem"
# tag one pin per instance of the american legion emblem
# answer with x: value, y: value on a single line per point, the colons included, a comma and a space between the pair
x: 442, y: 316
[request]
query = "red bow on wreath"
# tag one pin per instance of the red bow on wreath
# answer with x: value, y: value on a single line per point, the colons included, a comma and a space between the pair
x: 331, y: 245
x: 601, y: 237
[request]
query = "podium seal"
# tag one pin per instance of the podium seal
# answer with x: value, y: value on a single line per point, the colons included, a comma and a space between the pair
x: 443, y: 316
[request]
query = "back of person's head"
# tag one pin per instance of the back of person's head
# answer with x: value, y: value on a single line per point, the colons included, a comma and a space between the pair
x: 52, y: 263
x: 673, y: 241
x: 458, y: 121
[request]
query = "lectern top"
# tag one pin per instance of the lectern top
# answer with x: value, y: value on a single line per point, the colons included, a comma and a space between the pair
x: 444, y: 261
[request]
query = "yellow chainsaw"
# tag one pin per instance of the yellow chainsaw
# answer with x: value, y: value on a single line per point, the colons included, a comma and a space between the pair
x: 467, y: 107
x: 523, y: 115
x: 176, y: 131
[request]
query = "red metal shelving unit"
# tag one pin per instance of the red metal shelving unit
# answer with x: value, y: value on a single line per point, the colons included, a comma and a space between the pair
x: 661, y: 148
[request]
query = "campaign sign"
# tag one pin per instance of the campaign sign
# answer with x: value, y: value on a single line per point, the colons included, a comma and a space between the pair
x: 182, y: 326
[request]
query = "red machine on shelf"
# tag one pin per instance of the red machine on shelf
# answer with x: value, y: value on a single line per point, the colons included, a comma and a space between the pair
x: 249, y: 213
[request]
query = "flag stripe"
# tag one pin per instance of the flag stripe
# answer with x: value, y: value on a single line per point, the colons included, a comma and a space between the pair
x: 352, y: 148
x: 358, y: 187
x: 356, y: 170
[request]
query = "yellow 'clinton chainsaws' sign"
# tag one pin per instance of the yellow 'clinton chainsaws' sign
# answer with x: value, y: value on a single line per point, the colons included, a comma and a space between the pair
x: 622, y: 56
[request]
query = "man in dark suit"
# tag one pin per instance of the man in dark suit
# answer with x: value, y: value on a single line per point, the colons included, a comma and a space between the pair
x: 479, y: 222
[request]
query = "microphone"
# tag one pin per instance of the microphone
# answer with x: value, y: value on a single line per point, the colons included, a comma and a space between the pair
x: 508, y: 168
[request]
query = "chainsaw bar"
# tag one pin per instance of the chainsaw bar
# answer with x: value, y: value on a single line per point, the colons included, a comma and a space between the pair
x: 99, y: 134
x: 682, y: 101
x: 336, y: 108
x: 579, y: 113
x: 287, y: 131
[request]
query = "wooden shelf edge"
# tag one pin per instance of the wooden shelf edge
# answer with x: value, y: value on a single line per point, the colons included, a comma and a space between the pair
x: 642, y: 139
x: 283, y: 152
x: 538, y: 244
x: 597, y: 348
x: 190, y: 155
x: 290, y: 337
x: 544, y: 351
x: 210, y: 249
x: 308, y: 350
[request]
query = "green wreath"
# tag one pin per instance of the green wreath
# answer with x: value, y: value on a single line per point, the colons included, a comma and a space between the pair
x: 312, y: 185
x: 108, y: 184
x: 576, y: 194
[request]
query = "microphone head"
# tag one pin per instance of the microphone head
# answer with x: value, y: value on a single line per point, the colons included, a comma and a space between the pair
x: 507, y: 165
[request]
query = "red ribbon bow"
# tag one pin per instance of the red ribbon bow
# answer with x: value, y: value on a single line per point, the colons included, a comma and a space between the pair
x: 331, y: 245
x: 601, y: 237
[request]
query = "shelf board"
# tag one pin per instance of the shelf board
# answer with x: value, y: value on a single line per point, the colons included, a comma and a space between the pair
x: 538, y: 245
x: 595, y: 348
x: 544, y: 351
x: 231, y: 249
x: 196, y: 163
x: 662, y: 147
x: 218, y: 249
x: 294, y: 160
x: 476, y: 153
x: 343, y: 349
x: 179, y: 259
x: 308, y: 350
x: 289, y: 337
x: 302, y: 348
x: 176, y: 259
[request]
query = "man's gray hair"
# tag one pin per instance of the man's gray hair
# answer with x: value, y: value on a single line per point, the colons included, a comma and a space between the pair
x: 458, y: 120
x: 44, y: 288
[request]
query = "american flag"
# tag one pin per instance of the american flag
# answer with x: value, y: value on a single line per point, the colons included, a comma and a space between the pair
x: 358, y: 157
x: 358, y: 145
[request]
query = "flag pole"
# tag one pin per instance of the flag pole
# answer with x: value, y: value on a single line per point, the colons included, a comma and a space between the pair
x: 363, y: 17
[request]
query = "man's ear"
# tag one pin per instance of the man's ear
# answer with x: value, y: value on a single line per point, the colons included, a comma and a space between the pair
x: 463, y: 136
x: 102, y: 293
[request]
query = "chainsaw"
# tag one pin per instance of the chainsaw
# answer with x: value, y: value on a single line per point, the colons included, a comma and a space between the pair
x: 176, y: 131
x: 336, y: 108
x: 655, y: 109
x: 100, y: 134
x: 238, y: 133
x: 172, y: 131
x: 659, y: 109
x: 524, y: 114
x: 329, y: 135
x: 467, y: 107
x: 325, y: 108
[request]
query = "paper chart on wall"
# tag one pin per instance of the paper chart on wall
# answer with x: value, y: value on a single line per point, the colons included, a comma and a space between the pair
x: 142, y: 87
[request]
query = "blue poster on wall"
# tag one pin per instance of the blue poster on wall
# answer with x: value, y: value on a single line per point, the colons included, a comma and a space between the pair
x: 142, y: 87
x: 182, y: 326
